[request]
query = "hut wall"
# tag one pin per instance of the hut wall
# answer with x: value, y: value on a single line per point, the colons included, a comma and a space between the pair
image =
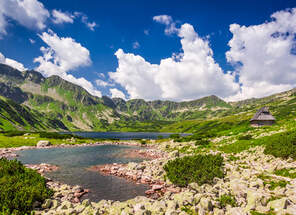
x: 262, y: 123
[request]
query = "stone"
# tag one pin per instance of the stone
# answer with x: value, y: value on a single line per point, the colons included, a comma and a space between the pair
x: 47, y: 204
x: 66, y: 205
x: 171, y: 205
x: 43, y: 143
x: 238, y: 187
x: 253, y: 199
x: 174, y: 154
x: 278, y: 204
x: 291, y: 209
x: 206, y: 204
x: 86, y: 202
x: 79, y: 208
x: 235, y: 211
x: 194, y: 186
x: 157, y: 187
x: 171, y: 212
x: 139, y: 207
x: 54, y: 204
x: 184, y: 198
x: 218, y: 211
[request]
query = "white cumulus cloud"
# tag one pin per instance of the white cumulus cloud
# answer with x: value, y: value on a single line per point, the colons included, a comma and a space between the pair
x: 64, y: 54
x: 115, y: 93
x: 264, y: 55
x: 102, y: 83
x: 187, y: 75
x: 60, y: 17
x: 13, y: 63
x: 29, y: 13
x: 168, y: 22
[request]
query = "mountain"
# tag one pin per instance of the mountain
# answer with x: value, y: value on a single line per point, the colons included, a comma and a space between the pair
x: 31, y: 101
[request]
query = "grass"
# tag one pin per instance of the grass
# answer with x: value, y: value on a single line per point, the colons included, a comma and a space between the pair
x: 33, y: 138
x: 268, y: 180
x: 286, y: 172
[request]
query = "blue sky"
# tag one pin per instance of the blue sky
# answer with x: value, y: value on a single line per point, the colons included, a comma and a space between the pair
x: 131, y: 26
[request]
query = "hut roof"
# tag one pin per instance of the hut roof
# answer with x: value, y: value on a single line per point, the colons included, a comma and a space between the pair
x: 263, y: 114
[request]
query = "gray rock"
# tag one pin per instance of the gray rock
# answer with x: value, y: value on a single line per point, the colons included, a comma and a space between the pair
x: 139, y: 207
x: 235, y: 211
x: 206, y: 204
x: 47, y: 204
x: 278, y: 205
x: 66, y: 205
x: 253, y: 199
x: 79, y: 208
x: 43, y: 143
x: 85, y: 202
x: 218, y: 211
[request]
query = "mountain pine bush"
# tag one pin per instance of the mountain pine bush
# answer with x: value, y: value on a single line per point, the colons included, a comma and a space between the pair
x: 20, y: 188
x: 283, y: 145
x: 199, y: 168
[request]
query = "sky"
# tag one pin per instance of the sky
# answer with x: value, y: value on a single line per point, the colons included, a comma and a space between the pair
x: 168, y: 50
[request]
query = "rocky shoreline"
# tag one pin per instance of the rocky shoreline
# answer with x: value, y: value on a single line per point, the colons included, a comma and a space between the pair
x: 249, y: 179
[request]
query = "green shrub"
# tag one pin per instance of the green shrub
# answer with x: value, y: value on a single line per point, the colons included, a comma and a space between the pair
x: 202, y: 142
x: 175, y: 136
x: 273, y: 183
x: 55, y: 135
x: 199, y: 168
x: 13, y: 133
x: 143, y: 142
x: 267, y: 213
x: 20, y: 188
x: 227, y: 200
x: 283, y: 145
x: 245, y: 137
x: 286, y: 172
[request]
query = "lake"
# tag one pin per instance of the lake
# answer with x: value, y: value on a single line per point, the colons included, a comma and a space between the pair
x: 123, y: 135
x: 74, y: 161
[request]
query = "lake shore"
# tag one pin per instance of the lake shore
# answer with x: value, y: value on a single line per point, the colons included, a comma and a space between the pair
x: 241, y: 181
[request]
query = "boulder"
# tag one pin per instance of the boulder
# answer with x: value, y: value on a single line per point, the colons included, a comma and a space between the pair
x: 235, y: 211
x: 206, y: 204
x: 218, y: 211
x: 43, y: 143
x: 278, y: 205
x: 253, y: 199
x: 47, y: 204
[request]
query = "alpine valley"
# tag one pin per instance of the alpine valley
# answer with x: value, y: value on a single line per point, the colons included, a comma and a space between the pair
x: 29, y: 101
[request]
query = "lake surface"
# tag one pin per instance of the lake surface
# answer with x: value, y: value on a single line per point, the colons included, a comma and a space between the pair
x: 74, y: 161
x: 124, y: 135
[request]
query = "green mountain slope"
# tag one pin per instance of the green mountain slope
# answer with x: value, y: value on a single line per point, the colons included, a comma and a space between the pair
x: 53, y: 103
x: 15, y: 116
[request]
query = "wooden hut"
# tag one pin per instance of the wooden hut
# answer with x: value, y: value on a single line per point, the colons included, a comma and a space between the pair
x: 262, y: 117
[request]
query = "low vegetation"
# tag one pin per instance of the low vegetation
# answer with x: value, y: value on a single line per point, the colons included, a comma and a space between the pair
x: 287, y: 172
x: 18, y: 139
x: 199, y: 168
x: 55, y: 135
x: 20, y: 188
x: 227, y: 199
x: 273, y: 183
x: 283, y: 145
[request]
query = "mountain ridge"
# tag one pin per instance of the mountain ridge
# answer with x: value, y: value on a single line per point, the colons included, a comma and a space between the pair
x: 76, y: 109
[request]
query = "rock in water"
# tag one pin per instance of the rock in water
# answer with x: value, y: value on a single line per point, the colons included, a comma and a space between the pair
x: 43, y: 143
